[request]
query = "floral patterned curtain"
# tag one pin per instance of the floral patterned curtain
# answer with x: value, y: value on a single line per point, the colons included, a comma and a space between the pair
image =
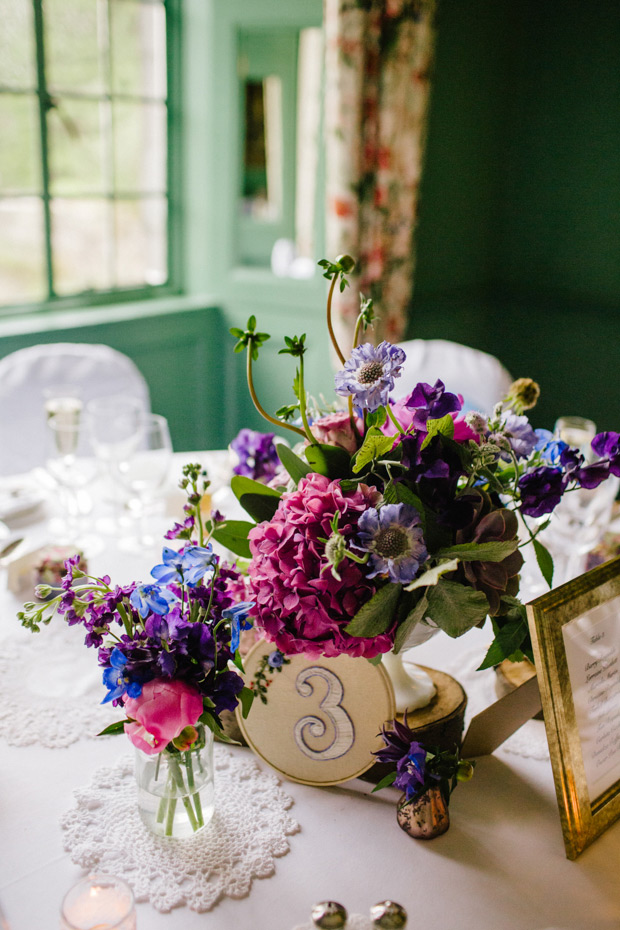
x: 378, y: 59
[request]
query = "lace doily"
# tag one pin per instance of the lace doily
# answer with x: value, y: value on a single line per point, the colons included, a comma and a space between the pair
x: 51, y: 689
x: 530, y: 741
x: 249, y: 829
x: 354, y: 922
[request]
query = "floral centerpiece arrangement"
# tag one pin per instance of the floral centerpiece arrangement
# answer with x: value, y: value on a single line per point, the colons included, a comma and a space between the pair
x: 165, y: 649
x: 393, y: 515
x: 427, y: 776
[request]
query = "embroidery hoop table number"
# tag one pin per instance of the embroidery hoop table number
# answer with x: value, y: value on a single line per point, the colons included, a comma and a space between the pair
x: 321, y: 722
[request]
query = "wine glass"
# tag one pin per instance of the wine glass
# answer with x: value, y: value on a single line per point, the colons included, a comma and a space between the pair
x: 72, y: 472
x: 143, y: 474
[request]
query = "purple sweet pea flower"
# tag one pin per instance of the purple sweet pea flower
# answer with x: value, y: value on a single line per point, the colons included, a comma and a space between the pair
x: 257, y: 455
x: 431, y: 403
x: 393, y: 537
x: 519, y: 433
x: 586, y: 476
x: 541, y: 490
x: 369, y: 375
x: 607, y: 445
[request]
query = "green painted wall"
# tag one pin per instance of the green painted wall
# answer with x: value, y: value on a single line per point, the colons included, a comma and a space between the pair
x: 519, y: 221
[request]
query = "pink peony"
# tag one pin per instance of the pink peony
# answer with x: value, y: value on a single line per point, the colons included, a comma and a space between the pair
x: 300, y: 606
x: 336, y: 430
x: 163, y: 710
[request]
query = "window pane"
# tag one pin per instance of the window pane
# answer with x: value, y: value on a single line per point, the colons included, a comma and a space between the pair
x: 20, y: 170
x: 76, y: 133
x: 22, y: 254
x: 138, y: 48
x: 81, y: 245
x: 140, y: 147
x: 73, y: 31
x: 17, y: 52
x: 141, y: 242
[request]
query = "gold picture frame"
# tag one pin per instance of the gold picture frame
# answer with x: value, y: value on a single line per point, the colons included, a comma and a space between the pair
x: 575, y: 632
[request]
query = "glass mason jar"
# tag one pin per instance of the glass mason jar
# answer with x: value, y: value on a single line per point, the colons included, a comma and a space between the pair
x: 175, y: 789
x: 424, y: 817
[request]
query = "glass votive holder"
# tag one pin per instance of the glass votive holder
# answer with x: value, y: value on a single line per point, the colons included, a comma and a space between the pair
x: 577, y: 432
x: 98, y: 902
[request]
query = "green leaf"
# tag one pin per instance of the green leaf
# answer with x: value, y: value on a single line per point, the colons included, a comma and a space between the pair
x: 331, y: 461
x: 376, y: 615
x: 377, y: 418
x: 432, y: 575
x: 456, y: 608
x: 256, y: 499
x: 545, y: 561
x: 480, y: 552
x: 385, y: 782
x: 444, y: 426
x: 234, y: 536
x: 209, y: 721
x: 510, y: 639
x: 295, y: 466
x: 246, y: 697
x: 410, y: 621
x: 114, y: 728
x: 239, y: 662
x: 375, y: 446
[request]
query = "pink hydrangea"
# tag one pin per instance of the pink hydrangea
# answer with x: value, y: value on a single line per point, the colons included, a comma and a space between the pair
x: 300, y: 606
x: 163, y: 710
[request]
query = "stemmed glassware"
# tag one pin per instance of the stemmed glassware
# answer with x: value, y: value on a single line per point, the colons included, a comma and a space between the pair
x: 143, y: 473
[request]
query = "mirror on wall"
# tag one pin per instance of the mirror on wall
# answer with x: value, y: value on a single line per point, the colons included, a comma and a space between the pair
x: 280, y: 75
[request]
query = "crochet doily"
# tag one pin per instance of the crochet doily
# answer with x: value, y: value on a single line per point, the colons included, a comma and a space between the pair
x: 530, y: 741
x: 51, y: 689
x: 249, y: 829
x: 354, y: 922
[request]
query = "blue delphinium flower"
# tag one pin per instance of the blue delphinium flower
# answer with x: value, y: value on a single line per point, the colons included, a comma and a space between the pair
x: 188, y: 566
x: 393, y: 537
x: 549, y: 447
x: 151, y: 599
x: 238, y: 615
x: 116, y: 680
x: 411, y: 771
x: 369, y: 374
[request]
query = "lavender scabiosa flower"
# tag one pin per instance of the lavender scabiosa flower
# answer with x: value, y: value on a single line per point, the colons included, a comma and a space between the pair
x: 393, y: 537
x: 369, y: 374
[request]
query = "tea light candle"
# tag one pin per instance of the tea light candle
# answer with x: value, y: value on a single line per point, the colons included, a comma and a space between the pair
x: 99, y: 902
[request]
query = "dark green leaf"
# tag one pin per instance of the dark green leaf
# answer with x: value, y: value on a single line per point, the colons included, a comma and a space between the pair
x: 511, y: 638
x: 398, y: 493
x: 377, y: 418
x: 545, y: 561
x: 376, y: 660
x: 375, y: 616
x: 234, y: 536
x: 209, y: 721
x: 456, y: 608
x: 246, y: 697
x: 331, y: 461
x: 295, y: 466
x: 444, y: 426
x: 256, y: 499
x: 480, y: 552
x: 410, y: 621
x: 239, y: 662
x: 114, y: 728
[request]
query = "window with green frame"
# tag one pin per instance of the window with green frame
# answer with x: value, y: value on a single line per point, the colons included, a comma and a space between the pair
x: 84, y: 176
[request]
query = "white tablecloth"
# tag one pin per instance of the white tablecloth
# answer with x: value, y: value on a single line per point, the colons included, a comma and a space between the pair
x: 501, y: 866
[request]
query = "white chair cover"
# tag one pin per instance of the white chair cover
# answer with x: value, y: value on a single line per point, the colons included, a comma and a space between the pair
x: 479, y: 377
x: 94, y: 370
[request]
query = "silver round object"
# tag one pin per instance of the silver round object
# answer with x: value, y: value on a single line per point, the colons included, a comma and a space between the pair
x: 329, y: 915
x: 388, y: 915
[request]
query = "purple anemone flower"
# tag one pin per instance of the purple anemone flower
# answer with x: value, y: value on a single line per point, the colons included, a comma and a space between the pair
x: 369, y: 375
x: 393, y: 537
x: 541, y: 490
